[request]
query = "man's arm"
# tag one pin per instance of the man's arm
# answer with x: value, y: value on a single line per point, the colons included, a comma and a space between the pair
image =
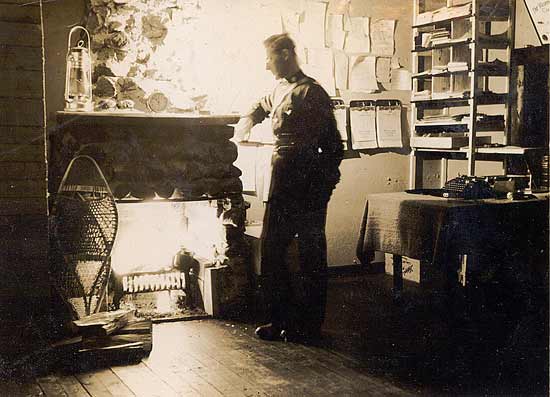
x: 254, y: 116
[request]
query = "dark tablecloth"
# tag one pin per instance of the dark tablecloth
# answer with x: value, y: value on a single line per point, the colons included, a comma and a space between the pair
x: 433, y: 228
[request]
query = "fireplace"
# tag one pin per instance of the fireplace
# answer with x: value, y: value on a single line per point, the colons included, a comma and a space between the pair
x: 179, y: 199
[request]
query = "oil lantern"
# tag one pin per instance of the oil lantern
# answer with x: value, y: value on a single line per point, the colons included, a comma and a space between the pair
x: 78, y: 78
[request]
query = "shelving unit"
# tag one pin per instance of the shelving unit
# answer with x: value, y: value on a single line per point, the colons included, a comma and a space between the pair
x: 461, y: 59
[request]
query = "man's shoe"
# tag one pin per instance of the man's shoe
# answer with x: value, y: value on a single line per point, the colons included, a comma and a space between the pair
x: 269, y: 332
x: 312, y: 337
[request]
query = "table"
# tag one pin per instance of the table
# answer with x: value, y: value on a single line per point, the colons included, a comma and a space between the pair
x: 437, y: 230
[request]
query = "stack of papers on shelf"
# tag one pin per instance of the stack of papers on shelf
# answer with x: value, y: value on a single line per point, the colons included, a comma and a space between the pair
x: 440, y: 36
x: 446, y: 141
x: 457, y: 66
x: 438, y: 118
x: 421, y: 95
x: 445, y: 13
x: 426, y: 39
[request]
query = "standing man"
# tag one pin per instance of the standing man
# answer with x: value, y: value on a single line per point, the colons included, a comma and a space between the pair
x: 307, y: 154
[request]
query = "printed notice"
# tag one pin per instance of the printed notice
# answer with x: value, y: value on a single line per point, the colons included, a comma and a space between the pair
x: 382, y: 42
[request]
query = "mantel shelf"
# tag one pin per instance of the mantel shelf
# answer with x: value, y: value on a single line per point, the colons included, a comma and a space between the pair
x: 125, y: 116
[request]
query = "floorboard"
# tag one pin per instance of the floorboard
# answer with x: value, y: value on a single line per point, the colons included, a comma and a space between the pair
x: 143, y: 382
x: 20, y: 389
x: 373, y: 350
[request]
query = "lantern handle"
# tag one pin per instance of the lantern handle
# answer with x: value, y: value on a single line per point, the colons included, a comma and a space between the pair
x: 74, y: 29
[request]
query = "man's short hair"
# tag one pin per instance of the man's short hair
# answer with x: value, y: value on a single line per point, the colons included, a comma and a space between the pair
x: 278, y: 42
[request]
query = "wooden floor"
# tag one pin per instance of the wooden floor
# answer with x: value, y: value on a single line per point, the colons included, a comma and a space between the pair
x: 375, y: 348
x: 216, y: 358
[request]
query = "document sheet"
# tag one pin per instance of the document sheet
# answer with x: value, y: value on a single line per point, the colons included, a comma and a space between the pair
x: 363, y: 127
x: 388, y: 126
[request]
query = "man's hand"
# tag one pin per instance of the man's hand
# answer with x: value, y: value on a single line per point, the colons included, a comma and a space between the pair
x: 242, y: 129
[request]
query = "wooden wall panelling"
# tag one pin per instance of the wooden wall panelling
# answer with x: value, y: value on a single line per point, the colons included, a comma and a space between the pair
x: 17, y: 134
x: 21, y: 112
x: 20, y: 34
x: 21, y: 83
x: 23, y: 12
x: 23, y: 194
x: 22, y: 170
x: 19, y: 205
x: 20, y: 58
x: 21, y: 152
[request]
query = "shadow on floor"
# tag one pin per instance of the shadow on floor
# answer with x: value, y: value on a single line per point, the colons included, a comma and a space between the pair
x: 487, y: 341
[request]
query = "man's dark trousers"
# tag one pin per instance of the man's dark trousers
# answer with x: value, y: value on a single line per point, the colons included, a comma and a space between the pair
x: 301, y: 309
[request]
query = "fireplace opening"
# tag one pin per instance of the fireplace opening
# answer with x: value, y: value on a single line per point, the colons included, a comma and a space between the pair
x: 161, y: 254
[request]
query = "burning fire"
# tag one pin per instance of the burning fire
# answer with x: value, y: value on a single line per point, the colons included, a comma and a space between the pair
x: 151, y: 233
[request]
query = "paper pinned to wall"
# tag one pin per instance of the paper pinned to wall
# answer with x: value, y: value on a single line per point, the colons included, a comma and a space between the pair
x: 362, y: 73
x: 357, y: 39
x: 400, y: 79
x: 382, y: 39
x: 312, y: 28
x: 363, y: 127
x: 320, y: 66
x: 335, y: 34
x: 341, y: 70
x: 383, y: 70
x: 347, y: 23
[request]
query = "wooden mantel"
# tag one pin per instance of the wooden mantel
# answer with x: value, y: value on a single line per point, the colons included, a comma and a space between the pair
x: 135, y: 117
